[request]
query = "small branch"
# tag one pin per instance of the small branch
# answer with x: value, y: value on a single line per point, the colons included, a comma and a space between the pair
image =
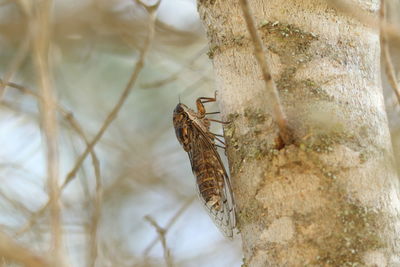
x: 112, y: 115
x: 17, y: 205
x: 174, y: 76
x: 170, y: 223
x: 272, y: 91
x: 16, y: 62
x: 114, y: 112
x: 90, y: 145
x: 161, y: 233
x: 13, y: 251
x: 69, y: 117
x: 355, y: 11
x: 387, y: 61
x: 42, y: 27
x: 23, y: 48
x: 95, y: 221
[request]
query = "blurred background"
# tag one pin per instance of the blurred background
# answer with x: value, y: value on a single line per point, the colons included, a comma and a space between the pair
x: 144, y: 171
x: 143, y: 178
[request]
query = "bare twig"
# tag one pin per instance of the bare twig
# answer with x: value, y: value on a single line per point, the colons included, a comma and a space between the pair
x: 78, y: 129
x: 114, y: 112
x: 175, y: 75
x: 355, y: 11
x: 112, y: 115
x: 272, y: 91
x: 23, y: 49
x: 387, y: 61
x: 17, y: 205
x: 95, y: 219
x: 16, y: 62
x: 13, y: 251
x: 25, y: 6
x: 161, y: 233
x: 49, y: 121
x: 6, y: 2
x: 202, y: 81
x: 170, y: 223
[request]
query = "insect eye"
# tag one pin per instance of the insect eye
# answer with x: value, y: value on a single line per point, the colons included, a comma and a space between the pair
x: 179, y: 109
x: 182, y: 133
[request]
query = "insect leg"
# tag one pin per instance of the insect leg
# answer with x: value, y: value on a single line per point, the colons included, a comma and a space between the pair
x: 216, y: 137
x: 210, y: 113
x: 206, y: 99
x: 222, y: 122
x: 200, y: 104
x: 219, y: 140
x: 217, y: 134
x: 220, y: 147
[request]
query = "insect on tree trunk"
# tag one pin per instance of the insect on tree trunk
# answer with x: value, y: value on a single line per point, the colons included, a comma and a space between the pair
x: 331, y: 198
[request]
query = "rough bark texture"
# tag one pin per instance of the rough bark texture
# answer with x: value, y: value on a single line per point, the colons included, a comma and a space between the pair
x: 331, y: 198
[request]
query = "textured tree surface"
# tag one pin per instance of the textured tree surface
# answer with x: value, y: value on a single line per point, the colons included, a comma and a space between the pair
x: 331, y: 198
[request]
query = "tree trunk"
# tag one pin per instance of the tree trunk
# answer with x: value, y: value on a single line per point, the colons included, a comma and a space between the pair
x: 330, y: 198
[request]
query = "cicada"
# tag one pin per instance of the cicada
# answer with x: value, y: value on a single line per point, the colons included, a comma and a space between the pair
x: 214, y: 189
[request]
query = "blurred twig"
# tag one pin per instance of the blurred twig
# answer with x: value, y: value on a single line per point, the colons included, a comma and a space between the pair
x: 48, y: 105
x: 16, y: 62
x: 272, y: 91
x: 387, y: 61
x: 17, y: 205
x: 175, y: 75
x: 13, y: 251
x: 6, y: 2
x: 161, y: 233
x: 78, y: 129
x: 112, y: 115
x: 114, y: 112
x: 25, y: 6
x: 22, y: 49
x: 170, y: 224
x: 110, y: 118
x: 69, y: 117
x: 195, y: 85
x: 355, y: 11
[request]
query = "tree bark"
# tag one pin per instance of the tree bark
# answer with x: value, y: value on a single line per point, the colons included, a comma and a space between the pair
x: 331, y: 198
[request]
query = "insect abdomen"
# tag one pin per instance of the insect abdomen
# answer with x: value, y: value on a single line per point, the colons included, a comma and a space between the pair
x: 209, y: 178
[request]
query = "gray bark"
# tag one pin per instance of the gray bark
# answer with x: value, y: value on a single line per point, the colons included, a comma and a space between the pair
x: 331, y: 198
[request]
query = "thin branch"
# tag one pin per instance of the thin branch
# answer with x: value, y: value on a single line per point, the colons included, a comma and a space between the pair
x: 111, y: 116
x: 174, y: 76
x: 161, y: 233
x: 114, y: 112
x: 13, y: 251
x: 355, y: 11
x: 16, y: 62
x: 49, y: 120
x: 170, y: 223
x: 17, y: 205
x: 387, y: 61
x: 90, y: 145
x: 6, y: 2
x: 68, y: 116
x: 278, y: 113
x: 23, y: 49
x: 95, y: 220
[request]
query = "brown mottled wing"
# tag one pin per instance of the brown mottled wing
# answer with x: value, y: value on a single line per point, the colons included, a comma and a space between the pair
x: 212, y: 181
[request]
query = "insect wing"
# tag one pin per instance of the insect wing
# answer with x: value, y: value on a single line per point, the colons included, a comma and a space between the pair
x: 213, y: 183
